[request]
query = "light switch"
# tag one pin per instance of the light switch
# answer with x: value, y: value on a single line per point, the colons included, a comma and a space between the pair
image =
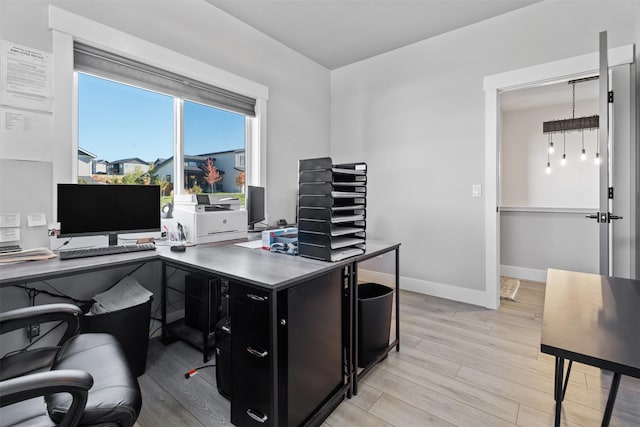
x: 476, y: 190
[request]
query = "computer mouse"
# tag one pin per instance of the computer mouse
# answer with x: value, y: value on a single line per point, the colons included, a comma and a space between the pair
x: 178, y: 248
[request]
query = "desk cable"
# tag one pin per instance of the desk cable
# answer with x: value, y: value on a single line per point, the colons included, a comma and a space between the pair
x: 194, y: 371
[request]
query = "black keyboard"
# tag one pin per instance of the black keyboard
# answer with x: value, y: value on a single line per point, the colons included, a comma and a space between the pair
x: 105, y: 250
x: 10, y: 248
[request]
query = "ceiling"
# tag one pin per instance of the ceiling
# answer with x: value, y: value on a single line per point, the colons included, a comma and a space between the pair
x: 335, y: 33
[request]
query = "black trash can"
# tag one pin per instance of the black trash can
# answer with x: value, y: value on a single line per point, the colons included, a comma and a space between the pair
x: 375, y: 303
x: 130, y: 326
x: 223, y: 357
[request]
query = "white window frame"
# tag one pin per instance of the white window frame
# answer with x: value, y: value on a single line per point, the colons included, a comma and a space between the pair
x: 68, y: 27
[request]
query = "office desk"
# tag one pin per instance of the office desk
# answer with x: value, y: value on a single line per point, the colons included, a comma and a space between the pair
x: 317, y: 296
x: 595, y: 320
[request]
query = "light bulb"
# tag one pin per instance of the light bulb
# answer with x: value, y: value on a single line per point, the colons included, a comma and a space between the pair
x: 563, y: 161
x: 583, y: 156
x: 551, y: 149
x: 597, y: 159
x: 548, y: 170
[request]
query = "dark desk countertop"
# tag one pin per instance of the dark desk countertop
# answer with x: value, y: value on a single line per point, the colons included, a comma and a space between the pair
x: 593, y: 319
x: 255, y: 266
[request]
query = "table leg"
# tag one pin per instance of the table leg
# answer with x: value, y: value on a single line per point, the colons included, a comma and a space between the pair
x: 611, y: 400
x: 163, y: 304
x: 350, y: 346
x: 207, y: 323
x: 557, y: 391
x: 566, y: 379
x: 356, y: 328
x: 398, y: 298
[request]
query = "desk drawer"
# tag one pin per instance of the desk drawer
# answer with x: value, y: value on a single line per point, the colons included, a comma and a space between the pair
x: 257, y: 298
x: 252, y: 357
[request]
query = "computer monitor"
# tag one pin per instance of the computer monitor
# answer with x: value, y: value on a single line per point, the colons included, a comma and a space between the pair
x: 255, y: 205
x: 108, y: 209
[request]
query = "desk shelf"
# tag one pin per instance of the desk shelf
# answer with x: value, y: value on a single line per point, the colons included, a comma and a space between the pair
x: 204, y: 307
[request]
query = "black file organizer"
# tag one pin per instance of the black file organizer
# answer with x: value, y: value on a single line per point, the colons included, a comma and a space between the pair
x: 332, y: 202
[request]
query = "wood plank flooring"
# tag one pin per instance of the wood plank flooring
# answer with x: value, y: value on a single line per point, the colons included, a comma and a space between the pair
x: 459, y: 365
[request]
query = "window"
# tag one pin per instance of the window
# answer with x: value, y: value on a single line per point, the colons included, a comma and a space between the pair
x: 240, y: 160
x: 212, y: 139
x: 126, y: 116
x: 129, y: 130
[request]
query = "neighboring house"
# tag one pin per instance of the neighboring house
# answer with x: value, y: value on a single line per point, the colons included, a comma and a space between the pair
x: 85, y: 162
x: 193, y: 166
x: 100, y: 167
x: 163, y: 169
x: 229, y: 164
x: 125, y: 166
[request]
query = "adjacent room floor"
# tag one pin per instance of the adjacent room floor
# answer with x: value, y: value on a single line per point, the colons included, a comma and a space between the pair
x: 459, y: 365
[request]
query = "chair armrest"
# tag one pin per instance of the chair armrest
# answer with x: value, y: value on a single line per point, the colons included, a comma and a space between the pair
x: 76, y: 383
x: 23, y: 317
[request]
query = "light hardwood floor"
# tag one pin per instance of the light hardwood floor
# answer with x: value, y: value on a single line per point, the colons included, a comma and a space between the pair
x: 459, y: 365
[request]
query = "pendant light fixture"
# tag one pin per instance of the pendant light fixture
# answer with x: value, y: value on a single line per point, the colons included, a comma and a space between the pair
x: 569, y: 125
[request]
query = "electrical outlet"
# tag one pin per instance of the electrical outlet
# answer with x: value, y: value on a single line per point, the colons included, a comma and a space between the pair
x: 33, y: 331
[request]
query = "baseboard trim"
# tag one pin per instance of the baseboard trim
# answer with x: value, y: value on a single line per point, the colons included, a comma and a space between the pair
x: 456, y: 293
x: 524, y: 273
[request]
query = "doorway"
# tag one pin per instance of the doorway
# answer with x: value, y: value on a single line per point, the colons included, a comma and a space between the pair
x: 544, y: 74
x: 548, y: 182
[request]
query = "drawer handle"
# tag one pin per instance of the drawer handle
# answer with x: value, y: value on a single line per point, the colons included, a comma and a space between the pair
x: 256, y: 297
x: 257, y: 415
x: 257, y: 353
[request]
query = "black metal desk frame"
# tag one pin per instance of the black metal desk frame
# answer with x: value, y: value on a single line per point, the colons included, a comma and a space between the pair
x: 355, y: 327
x: 206, y: 333
x: 602, y: 296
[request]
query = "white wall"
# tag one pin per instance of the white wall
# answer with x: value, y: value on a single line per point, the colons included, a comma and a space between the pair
x: 532, y: 242
x: 416, y: 116
x: 523, y: 160
x: 298, y: 106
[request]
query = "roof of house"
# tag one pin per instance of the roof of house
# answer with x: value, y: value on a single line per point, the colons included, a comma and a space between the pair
x: 131, y: 160
x: 186, y: 157
x: 86, y: 153
x: 161, y: 162
x: 238, y: 150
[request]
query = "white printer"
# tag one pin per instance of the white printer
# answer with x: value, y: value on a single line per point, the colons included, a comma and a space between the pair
x: 209, y: 218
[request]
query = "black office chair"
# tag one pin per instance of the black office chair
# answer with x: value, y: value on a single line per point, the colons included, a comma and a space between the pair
x: 84, y: 380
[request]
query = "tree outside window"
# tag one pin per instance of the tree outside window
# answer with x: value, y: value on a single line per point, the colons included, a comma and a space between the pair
x: 211, y: 174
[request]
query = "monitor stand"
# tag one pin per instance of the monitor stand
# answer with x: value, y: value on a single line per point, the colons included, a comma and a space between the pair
x: 252, y: 229
x: 113, y: 239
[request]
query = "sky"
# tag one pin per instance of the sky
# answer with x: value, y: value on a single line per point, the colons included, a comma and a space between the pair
x: 117, y: 121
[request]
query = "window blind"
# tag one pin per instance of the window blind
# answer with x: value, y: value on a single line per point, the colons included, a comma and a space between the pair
x: 105, y: 64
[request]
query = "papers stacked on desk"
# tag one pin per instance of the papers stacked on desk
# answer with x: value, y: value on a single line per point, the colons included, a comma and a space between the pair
x: 26, y: 255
